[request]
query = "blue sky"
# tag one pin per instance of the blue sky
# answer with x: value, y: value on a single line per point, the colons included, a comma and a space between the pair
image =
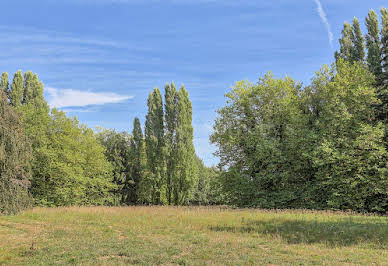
x: 99, y: 59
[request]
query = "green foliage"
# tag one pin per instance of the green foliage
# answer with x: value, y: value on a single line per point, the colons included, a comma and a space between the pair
x: 68, y: 164
x: 74, y: 170
x: 186, y: 170
x: 4, y: 83
x: 155, y: 146
x: 96, y: 169
x: 71, y: 165
x: 352, y: 43
x: 350, y: 159
x: 318, y: 147
x: 33, y: 91
x: 382, y: 93
x: 181, y: 167
x: 15, y: 153
x: 118, y: 153
x: 207, y: 189
x: 346, y: 43
x: 373, y: 45
x: 358, y: 51
x: 138, y: 170
x: 258, y: 136
x: 29, y: 87
x: 171, y: 113
x: 126, y: 153
x: 17, y: 89
x: 171, y: 172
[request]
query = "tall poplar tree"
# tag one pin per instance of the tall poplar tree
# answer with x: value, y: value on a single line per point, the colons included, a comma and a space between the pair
x: 185, y: 154
x: 358, y: 45
x: 28, y: 87
x: 352, y: 47
x: 33, y: 90
x: 137, y: 170
x: 155, y: 147
x: 373, y: 45
x: 4, y: 83
x: 17, y: 89
x: 346, y: 43
x: 171, y: 127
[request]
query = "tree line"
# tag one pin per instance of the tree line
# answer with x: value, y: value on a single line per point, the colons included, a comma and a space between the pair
x: 160, y: 166
x: 63, y: 163
x: 50, y: 159
x: 322, y: 146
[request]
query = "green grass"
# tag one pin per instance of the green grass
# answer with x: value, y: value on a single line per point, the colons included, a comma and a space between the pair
x: 183, y: 235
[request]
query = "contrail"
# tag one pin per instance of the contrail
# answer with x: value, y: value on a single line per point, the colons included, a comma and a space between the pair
x: 323, y: 16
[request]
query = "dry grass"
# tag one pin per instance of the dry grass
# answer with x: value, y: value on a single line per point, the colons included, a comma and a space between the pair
x: 190, y: 235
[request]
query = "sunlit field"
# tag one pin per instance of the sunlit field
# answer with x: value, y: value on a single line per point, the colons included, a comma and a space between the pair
x: 190, y: 235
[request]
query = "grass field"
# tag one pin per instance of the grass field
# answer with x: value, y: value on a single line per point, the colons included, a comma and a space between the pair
x: 183, y: 235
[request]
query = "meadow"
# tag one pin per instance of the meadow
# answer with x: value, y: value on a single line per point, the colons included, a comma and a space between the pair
x: 191, y: 236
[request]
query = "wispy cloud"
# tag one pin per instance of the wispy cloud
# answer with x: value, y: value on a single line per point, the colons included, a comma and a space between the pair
x: 29, y: 46
x: 20, y: 34
x: 60, y: 98
x: 325, y: 21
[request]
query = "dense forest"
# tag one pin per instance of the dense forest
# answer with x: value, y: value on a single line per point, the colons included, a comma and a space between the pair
x: 322, y: 146
x: 280, y: 144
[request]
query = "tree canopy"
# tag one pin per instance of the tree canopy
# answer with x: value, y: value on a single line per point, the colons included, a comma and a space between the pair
x: 283, y: 146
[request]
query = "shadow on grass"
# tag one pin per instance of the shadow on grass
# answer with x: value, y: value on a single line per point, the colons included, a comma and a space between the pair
x: 345, y: 232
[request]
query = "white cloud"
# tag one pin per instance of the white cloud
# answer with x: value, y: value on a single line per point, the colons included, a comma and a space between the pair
x: 60, y: 98
x: 325, y: 21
